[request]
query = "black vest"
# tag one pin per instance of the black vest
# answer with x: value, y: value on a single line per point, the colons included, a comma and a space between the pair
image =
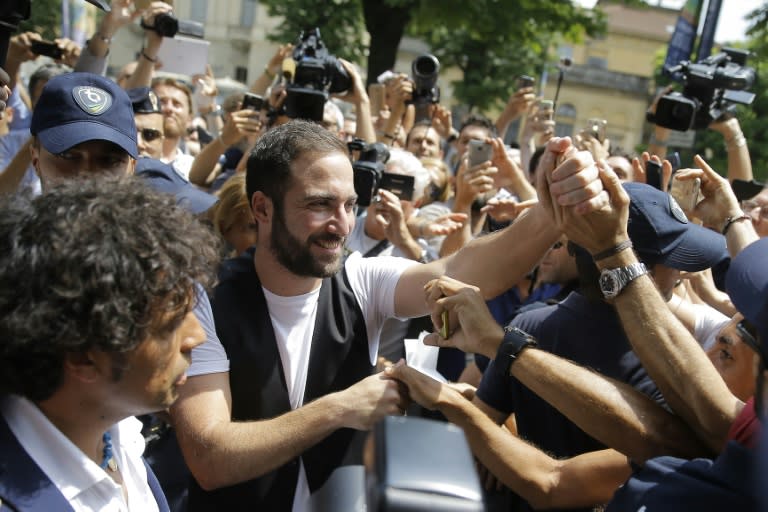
x: 338, y: 358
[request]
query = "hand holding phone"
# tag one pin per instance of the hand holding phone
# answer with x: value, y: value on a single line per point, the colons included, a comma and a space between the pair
x: 46, y: 48
x: 685, y: 192
x: 653, y: 174
x: 546, y: 110
x: 252, y: 101
x: 524, y: 81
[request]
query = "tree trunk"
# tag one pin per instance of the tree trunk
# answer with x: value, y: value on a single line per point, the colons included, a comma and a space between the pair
x: 386, y: 26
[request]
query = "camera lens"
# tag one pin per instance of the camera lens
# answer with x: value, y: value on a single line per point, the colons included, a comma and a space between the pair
x: 425, y: 66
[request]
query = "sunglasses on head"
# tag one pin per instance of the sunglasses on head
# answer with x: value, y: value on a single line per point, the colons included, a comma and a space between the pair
x: 150, y: 134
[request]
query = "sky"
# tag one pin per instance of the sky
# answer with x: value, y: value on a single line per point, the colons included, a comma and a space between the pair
x: 731, y: 25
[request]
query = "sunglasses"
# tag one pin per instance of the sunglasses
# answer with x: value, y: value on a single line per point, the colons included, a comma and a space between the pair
x: 748, y: 335
x: 150, y: 134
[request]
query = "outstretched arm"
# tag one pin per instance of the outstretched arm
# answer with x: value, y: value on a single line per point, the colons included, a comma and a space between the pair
x: 544, y: 482
x: 221, y: 452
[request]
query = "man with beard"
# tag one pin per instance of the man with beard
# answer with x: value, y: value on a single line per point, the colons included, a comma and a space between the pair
x: 301, y: 329
x: 176, y: 104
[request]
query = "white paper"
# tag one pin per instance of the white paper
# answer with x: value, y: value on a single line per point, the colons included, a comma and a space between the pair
x: 183, y: 55
x: 423, y: 357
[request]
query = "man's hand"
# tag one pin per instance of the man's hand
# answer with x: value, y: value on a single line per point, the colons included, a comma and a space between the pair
x: 154, y: 40
x: 441, y: 226
x: 507, y: 209
x: 519, y: 103
x: 586, y: 142
x: 476, y: 331
x: 275, y: 64
x: 639, y: 164
x: 473, y: 182
x: 422, y: 389
x: 242, y: 123
x: 389, y: 214
x: 70, y: 51
x: 5, y: 91
x: 357, y: 95
x: 20, y: 48
x: 719, y: 201
x: 442, y: 120
x: 368, y: 401
x: 602, y: 228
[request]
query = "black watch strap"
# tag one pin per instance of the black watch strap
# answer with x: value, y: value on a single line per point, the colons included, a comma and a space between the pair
x: 515, y: 341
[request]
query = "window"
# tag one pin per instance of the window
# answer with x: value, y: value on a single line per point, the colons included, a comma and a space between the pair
x: 597, y: 62
x: 198, y: 10
x: 247, y: 13
x: 241, y: 74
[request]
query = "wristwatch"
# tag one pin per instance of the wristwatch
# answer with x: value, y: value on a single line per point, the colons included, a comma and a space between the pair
x: 514, y: 341
x: 613, y: 280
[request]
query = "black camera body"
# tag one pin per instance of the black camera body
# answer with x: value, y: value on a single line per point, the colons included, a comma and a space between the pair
x: 424, y: 70
x: 712, y: 89
x: 368, y: 168
x: 318, y: 73
x: 168, y: 25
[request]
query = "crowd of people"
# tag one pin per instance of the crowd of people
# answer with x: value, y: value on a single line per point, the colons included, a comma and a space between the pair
x: 198, y: 314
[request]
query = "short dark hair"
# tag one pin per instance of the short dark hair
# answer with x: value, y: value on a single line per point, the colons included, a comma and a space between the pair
x: 178, y: 84
x: 481, y: 121
x: 93, y: 264
x: 45, y: 73
x: 269, y: 164
x: 427, y: 123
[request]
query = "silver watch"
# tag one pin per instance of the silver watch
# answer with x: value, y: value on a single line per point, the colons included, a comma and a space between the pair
x: 613, y: 280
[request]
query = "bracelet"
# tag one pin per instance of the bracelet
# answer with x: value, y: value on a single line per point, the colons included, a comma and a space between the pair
x: 150, y: 59
x: 732, y: 220
x: 616, y: 249
x: 737, y: 141
x: 269, y: 74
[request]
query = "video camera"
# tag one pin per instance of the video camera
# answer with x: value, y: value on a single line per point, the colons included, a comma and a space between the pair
x: 712, y: 89
x: 368, y: 168
x: 317, y: 74
x: 424, y: 69
x: 168, y: 25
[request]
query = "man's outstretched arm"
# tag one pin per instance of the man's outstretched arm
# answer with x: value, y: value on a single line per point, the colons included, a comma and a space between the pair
x: 221, y: 452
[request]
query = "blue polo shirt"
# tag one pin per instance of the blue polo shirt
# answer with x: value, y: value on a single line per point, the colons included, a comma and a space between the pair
x: 586, y: 332
x: 669, y: 484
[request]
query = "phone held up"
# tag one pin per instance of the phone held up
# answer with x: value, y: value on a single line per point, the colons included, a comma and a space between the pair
x: 252, y: 102
x: 47, y: 49
x: 685, y: 192
x: 546, y: 110
x: 596, y: 128
x: 479, y: 151
x: 524, y: 81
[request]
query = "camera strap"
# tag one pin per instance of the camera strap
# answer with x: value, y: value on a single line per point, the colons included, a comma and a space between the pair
x: 376, y: 249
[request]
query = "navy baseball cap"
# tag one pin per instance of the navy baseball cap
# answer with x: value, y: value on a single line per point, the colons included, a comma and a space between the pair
x: 747, y: 285
x: 661, y: 233
x: 162, y: 178
x: 78, y: 107
x: 144, y: 100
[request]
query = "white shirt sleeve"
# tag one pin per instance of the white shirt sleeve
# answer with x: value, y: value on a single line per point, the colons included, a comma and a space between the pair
x: 209, y: 356
x: 709, y: 321
x: 373, y: 281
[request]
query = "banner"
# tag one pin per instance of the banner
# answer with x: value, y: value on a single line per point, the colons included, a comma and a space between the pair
x: 684, y: 37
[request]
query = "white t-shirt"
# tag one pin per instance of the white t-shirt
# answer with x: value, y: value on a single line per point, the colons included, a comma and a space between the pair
x: 83, y: 483
x: 373, y: 282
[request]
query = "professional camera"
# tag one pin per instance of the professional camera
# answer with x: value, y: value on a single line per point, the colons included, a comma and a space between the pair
x: 168, y: 25
x: 424, y: 69
x: 368, y: 168
x: 317, y: 74
x: 712, y: 89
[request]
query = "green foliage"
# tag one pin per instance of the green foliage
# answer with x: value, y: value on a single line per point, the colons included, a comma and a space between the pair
x: 45, y: 19
x: 491, y: 41
x: 340, y: 22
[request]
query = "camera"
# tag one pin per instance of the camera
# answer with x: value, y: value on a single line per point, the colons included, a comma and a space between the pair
x: 368, y: 168
x: 168, y: 25
x: 424, y: 69
x: 712, y: 88
x: 317, y: 74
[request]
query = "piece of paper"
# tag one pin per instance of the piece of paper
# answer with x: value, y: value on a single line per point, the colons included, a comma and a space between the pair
x: 423, y: 357
x: 183, y: 55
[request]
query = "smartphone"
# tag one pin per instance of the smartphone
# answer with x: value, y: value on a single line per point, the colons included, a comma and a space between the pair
x: 524, y: 81
x: 653, y: 174
x: 376, y: 94
x: 479, y: 152
x: 596, y: 128
x: 674, y: 159
x: 546, y: 109
x: 46, y: 48
x: 252, y: 101
x: 686, y: 193
x: 744, y: 189
x: 399, y: 184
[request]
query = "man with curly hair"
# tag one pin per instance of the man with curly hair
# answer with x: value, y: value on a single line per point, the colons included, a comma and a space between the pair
x: 99, y: 281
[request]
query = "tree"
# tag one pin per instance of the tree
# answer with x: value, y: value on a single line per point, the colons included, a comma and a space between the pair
x: 489, y: 40
x: 45, y: 19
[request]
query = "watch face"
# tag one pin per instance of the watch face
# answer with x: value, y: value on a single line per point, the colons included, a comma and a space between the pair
x: 608, y: 284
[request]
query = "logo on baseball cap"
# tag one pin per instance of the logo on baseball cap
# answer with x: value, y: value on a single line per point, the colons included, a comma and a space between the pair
x: 78, y: 107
